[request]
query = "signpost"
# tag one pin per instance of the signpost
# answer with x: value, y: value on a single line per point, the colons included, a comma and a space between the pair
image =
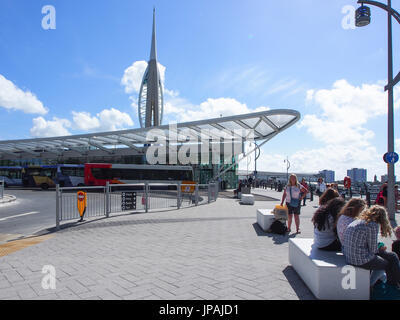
x: 81, y: 203
x: 391, y: 157
x: 128, y: 201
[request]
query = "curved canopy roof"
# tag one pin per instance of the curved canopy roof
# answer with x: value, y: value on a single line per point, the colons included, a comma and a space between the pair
x: 263, y: 126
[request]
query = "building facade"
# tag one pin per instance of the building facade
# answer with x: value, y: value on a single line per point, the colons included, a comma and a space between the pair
x: 328, y: 175
x: 357, y: 175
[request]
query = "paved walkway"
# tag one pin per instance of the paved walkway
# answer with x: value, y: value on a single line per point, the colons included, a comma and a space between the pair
x: 212, y: 251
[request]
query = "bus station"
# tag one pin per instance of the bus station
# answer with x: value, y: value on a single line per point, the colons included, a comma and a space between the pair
x: 161, y: 211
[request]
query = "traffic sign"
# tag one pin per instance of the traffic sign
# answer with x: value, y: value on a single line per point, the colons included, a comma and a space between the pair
x: 81, y: 203
x: 128, y: 201
x: 391, y: 157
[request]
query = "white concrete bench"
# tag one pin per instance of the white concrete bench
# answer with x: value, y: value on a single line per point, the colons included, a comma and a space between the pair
x: 265, y: 218
x: 247, y: 199
x: 323, y: 272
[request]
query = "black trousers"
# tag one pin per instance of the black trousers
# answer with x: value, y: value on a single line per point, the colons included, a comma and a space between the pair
x: 387, y: 261
x: 334, y: 246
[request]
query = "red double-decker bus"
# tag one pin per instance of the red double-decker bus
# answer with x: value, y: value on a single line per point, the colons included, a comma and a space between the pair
x: 98, y: 174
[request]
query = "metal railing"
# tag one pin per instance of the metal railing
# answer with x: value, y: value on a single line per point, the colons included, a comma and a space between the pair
x: 131, y: 198
x: 1, y: 189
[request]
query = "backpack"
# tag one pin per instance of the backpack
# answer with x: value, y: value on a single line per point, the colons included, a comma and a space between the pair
x: 379, y: 199
x: 278, y: 227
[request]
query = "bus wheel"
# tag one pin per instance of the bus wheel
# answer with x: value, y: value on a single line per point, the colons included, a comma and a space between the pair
x: 44, y: 186
x: 81, y: 185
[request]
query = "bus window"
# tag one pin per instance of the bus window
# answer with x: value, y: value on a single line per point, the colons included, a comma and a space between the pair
x: 72, y: 171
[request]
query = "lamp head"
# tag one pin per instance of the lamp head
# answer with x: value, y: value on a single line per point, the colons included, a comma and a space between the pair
x: 363, y: 16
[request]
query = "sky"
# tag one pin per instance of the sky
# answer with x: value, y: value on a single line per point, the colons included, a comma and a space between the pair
x: 217, y: 58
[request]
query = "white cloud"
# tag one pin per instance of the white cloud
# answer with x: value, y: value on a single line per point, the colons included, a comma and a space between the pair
x: 107, y: 120
x: 184, y: 111
x: 344, y: 111
x: 133, y: 76
x: 84, y: 121
x: 179, y: 109
x: 13, y: 98
x: 51, y: 128
x: 113, y: 119
x: 340, y: 124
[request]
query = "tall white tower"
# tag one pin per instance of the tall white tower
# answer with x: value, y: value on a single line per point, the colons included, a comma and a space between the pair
x: 151, y: 98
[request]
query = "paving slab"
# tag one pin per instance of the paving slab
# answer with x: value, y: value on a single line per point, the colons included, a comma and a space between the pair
x: 214, y: 251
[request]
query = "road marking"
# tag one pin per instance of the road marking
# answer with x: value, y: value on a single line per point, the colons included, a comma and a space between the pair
x: 19, y: 215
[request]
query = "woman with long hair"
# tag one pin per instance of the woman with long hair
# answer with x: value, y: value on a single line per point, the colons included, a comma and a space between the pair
x: 328, y: 195
x: 325, y: 235
x: 293, y: 196
x: 350, y: 211
x: 360, y: 244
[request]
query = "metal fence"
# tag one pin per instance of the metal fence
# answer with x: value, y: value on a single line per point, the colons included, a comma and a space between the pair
x: 1, y: 189
x: 131, y: 198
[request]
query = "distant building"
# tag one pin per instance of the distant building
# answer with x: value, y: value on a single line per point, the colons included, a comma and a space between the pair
x: 328, y: 175
x: 357, y: 175
x: 277, y: 176
x: 384, y: 178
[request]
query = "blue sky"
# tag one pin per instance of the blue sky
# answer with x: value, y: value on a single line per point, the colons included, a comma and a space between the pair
x: 221, y: 56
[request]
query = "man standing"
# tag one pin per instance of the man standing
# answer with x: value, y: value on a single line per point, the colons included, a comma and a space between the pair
x: 321, y: 187
x: 304, y: 191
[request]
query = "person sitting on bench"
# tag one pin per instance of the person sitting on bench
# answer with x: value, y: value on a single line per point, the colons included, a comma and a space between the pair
x: 324, y: 220
x: 350, y: 211
x: 360, y: 244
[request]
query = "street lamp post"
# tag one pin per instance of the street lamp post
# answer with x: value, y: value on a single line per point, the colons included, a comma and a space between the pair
x: 256, y: 156
x: 287, y: 169
x: 363, y: 18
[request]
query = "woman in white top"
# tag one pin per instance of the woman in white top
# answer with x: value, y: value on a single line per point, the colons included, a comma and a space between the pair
x: 325, y: 236
x: 293, y: 196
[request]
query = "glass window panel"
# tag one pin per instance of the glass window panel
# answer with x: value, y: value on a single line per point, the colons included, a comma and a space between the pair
x: 280, y: 120
x: 264, y: 129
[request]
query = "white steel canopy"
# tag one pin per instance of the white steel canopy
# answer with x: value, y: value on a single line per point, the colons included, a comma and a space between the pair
x: 263, y: 126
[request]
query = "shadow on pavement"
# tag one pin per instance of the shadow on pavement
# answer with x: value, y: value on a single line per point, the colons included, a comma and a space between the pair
x: 89, y: 224
x: 297, y: 284
x: 277, y: 238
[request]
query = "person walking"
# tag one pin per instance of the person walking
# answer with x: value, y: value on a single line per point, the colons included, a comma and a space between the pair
x: 305, y: 190
x: 293, y: 195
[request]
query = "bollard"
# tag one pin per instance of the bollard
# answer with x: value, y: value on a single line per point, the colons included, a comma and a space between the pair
x: 146, y: 196
x: 57, y: 207
x: 179, y: 195
x: 107, y: 200
x: 1, y: 189
x: 196, y: 194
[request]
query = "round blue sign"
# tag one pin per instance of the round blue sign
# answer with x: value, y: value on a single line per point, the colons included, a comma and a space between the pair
x: 391, y: 157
